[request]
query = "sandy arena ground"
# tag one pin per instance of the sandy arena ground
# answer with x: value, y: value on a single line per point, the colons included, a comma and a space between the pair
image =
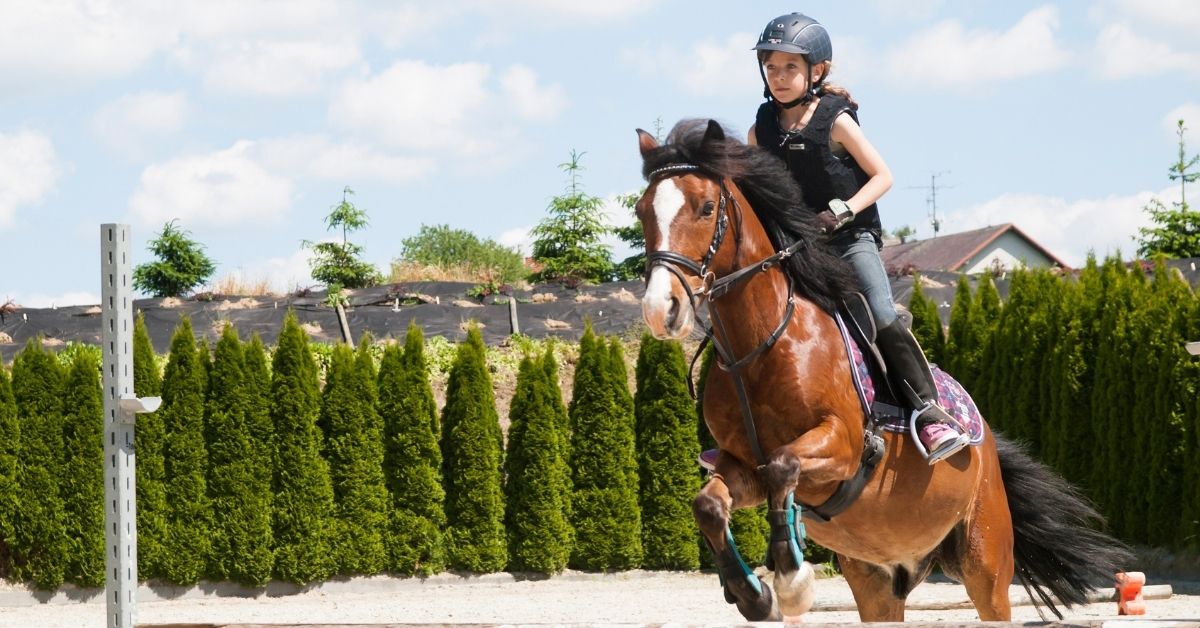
x: 571, y: 598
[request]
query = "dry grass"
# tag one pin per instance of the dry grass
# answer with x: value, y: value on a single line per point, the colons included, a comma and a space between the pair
x: 235, y: 284
x: 409, y: 271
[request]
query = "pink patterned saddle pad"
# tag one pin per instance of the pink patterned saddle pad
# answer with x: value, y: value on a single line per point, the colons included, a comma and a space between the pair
x: 951, y: 395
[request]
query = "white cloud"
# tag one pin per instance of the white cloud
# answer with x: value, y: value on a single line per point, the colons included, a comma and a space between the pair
x: 131, y: 123
x: 1122, y: 54
x: 29, y: 169
x: 519, y: 238
x: 282, y: 274
x: 1069, y: 229
x: 317, y: 156
x: 532, y: 101
x: 912, y: 10
x: 37, y: 300
x: 277, y: 68
x: 614, y: 10
x: 419, y: 106
x: 224, y: 188
x: 706, y: 68
x: 1181, y: 15
x: 73, y: 41
x: 949, y: 55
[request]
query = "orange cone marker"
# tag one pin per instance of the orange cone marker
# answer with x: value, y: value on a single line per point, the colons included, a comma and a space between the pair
x: 1129, y: 593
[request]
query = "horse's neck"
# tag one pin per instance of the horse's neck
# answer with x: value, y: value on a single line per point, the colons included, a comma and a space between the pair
x: 754, y: 308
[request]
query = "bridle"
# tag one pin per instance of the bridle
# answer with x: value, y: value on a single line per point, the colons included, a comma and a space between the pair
x: 713, y: 287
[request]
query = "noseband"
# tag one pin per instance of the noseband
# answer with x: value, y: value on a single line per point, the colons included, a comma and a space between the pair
x: 712, y: 287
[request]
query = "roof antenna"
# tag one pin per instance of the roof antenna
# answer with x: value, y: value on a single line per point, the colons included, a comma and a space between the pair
x: 931, y: 200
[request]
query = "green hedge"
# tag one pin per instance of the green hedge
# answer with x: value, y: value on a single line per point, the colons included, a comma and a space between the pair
x: 251, y: 470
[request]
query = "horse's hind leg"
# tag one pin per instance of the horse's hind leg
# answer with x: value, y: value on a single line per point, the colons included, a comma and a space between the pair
x: 711, y: 509
x: 984, y: 545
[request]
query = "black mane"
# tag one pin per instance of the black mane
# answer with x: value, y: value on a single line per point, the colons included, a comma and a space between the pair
x: 820, y: 276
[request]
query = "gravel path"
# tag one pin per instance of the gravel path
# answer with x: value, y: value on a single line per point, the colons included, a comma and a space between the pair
x: 629, y: 597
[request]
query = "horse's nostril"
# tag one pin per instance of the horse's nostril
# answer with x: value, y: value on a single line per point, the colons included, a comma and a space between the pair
x: 673, y: 312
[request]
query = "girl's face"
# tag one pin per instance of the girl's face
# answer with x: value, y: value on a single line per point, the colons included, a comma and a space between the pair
x: 786, y: 73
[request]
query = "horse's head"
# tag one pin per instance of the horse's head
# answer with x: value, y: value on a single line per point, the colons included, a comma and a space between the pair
x: 684, y: 218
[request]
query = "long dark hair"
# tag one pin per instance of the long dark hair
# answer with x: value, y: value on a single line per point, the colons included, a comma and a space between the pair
x: 820, y: 276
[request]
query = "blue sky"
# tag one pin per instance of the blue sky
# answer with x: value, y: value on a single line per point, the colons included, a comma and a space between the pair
x: 244, y: 120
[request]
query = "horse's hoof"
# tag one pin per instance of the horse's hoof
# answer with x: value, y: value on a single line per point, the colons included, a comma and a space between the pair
x: 796, y: 591
x: 761, y: 608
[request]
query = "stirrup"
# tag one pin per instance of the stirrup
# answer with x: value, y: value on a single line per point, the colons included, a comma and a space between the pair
x: 933, y: 413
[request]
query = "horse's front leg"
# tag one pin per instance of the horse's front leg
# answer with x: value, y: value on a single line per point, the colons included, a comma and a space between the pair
x: 733, y: 486
x: 819, y: 456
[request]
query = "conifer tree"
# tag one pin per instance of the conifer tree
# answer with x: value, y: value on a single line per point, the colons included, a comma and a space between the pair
x: 554, y: 397
x: 412, y: 460
x: 1159, y: 384
x: 926, y: 323
x: 1075, y: 357
x: 960, y: 357
x: 240, y: 497
x: 472, y: 464
x: 667, y: 447
x: 302, y: 514
x: 354, y: 449
x: 259, y: 425
x: 605, y: 513
x: 188, y: 543
x: 986, y: 318
x: 10, y: 441
x: 146, y: 379
x: 149, y: 441
x: 1111, y: 403
x: 1189, y: 522
x: 538, y: 530
x: 83, y: 477
x: 39, y: 542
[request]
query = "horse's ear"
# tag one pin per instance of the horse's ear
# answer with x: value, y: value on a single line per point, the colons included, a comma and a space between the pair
x: 646, y: 142
x: 714, y: 132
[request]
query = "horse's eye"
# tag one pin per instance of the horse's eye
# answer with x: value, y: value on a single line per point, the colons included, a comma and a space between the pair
x: 708, y: 208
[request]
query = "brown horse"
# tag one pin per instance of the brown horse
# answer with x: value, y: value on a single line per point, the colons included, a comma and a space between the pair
x: 719, y: 234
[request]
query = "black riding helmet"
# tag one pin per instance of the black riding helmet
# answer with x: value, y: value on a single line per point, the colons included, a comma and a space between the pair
x: 798, y: 34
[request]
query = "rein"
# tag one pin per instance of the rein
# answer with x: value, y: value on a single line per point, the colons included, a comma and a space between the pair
x: 712, y: 288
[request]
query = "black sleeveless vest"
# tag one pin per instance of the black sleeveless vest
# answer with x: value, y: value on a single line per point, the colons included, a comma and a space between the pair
x: 822, y: 175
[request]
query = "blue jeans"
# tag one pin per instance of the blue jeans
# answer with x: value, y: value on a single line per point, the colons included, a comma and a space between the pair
x: 863, y: 254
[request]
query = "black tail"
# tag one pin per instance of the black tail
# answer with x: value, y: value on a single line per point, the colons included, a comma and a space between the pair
x: 1056, y: 544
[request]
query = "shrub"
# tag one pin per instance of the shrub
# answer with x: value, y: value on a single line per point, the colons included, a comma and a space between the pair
x: 538, y: 530
x: 354, y: 449
x: 188, y: 542
x: 303, y: 506
x: 412, y: 460
x: 39, y: 543
x: 10, y: 441
x: 444, y: 248
x: 471, y: 464
x: 83, y: 473
x: 181, y: 266
x: 149, y: 439
x: 238, y: 481
x: 604, y: 504
x: 667, y: 447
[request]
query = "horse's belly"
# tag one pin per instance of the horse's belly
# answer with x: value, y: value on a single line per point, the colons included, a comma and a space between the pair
x: 907, y: 509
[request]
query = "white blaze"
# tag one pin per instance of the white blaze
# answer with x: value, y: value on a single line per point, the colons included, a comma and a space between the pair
x: 668, y: 200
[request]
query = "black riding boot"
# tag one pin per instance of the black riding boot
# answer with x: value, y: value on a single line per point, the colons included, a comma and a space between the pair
x: 937, y: 434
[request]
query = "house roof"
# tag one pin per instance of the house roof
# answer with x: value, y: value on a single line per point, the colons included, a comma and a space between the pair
x: 951, y: 252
